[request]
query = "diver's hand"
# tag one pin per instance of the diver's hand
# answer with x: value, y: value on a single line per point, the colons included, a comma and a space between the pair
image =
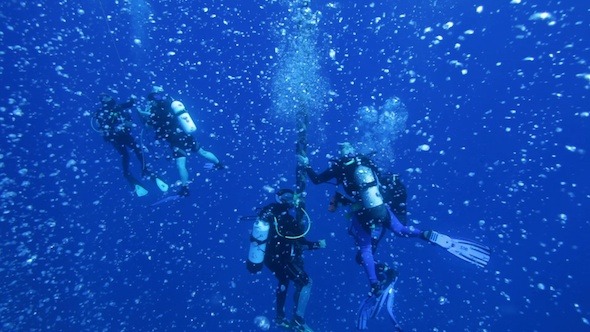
x: 322, y: 244
x: 303, y: 160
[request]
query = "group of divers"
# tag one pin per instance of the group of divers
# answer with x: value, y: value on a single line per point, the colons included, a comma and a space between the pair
x: 170, y: 122
x: 376, y: 202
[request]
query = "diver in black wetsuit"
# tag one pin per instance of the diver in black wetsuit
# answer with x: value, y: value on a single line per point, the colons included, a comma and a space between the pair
x: 283, y: 256
x: 114, y: 121
x: 160, y: 115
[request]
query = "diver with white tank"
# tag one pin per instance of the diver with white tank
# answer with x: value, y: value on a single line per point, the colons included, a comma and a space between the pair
x: 173, y: 124
x: 278, y: 240
x: 371, y: 215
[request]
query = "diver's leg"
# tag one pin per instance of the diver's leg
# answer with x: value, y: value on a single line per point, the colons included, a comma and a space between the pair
x: 137, y: 187
x: 178, y: 144
x: 303, y: 283
x: 182, y: 170
x: 363, y: 240
x: 208, y: 155
x: 398, y: 228
x: 281, y: 294
x: 302, y: 298
x: 122, y: 150
x: 132, y: 143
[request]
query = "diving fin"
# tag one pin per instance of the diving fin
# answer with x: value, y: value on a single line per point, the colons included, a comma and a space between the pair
x: 364, y: 313
x: 166, y: 200
x: 469, y: 251
x: 373, y: 305
x: 383, y: 298
x: 389, y: 306
x: 162, y: 185
x: 140, y: 191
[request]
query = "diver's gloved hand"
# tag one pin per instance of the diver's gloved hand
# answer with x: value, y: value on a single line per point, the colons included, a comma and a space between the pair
x: 303, y: 160
x: 321, y: 244
x: 211, y: 166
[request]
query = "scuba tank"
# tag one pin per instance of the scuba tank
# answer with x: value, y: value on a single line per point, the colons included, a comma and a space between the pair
x: 369, y: 193
x: 184, y: 119
x: 258, y: 241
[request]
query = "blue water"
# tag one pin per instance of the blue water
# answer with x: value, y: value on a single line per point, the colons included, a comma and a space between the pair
x: 491, y: 139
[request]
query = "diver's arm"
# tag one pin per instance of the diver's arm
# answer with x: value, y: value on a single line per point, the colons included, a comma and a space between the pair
x: 324, y: 176
x: 147, y: 112
x: 341, y: 199
x: 128, y: 104
x: 267, y: 214
x: 316, y: 178
x: 311, y: 245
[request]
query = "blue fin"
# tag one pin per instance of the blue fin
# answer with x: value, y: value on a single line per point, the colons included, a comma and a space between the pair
x: 166, y: 199
x: 373, y: 305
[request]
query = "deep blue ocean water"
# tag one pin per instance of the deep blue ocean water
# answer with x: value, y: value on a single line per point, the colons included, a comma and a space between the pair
x: 490, y: 136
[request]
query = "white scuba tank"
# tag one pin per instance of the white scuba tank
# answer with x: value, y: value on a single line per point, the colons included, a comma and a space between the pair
x: 257, y: 245
x: 370, y: 195
x: 184, y: 119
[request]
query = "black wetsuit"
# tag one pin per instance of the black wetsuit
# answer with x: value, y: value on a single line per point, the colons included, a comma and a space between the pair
x: 283, y: 256
x: 166, y: 126
x: 114, y: 122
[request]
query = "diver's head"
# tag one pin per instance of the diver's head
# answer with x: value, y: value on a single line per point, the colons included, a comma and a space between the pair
x: 107, y: 100
x: 346, y: 149
x: 285, y: 196
x: 157, y: 93
x: 156, y: 96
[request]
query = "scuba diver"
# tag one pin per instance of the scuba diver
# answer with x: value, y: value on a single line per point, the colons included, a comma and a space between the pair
x: 114, y: 123
x: 371, y: 216
x: 278, y: 240
x: 173, y: 124
x: 394, y: 194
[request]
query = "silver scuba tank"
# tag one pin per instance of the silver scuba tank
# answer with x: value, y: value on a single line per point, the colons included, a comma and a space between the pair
x: 369, y: 193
